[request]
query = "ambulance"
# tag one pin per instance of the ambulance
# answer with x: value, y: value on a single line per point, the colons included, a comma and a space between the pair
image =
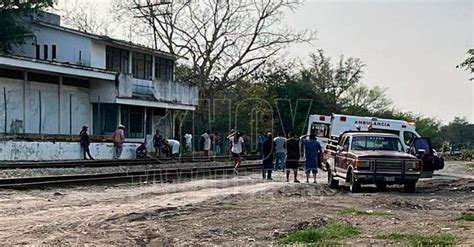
x: 330, y: 127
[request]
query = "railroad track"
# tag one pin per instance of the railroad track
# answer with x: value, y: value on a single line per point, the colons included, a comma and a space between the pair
x: 152, y: 175
x: 108, y: 163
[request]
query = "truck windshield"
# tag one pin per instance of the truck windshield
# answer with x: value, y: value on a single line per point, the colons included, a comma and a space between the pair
x: 376, y: 143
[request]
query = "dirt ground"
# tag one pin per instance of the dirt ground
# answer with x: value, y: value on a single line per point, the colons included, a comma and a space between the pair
x: 230, y: 211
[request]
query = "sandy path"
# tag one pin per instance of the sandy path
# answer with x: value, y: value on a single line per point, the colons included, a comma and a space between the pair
x: 25, y: 218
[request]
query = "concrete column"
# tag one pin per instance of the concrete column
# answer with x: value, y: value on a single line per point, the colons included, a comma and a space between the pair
x: 25, y: 81
x: 153, y: 72
x: 60, y: 87
x: 130, y: 62
x: 144, y: 121
x: 119, y: 112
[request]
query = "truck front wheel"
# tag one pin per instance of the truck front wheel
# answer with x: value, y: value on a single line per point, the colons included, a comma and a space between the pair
x: 333, y: 183
x: 355, y: 185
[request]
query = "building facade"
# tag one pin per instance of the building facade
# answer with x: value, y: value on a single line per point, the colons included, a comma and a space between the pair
x: 60, y: 79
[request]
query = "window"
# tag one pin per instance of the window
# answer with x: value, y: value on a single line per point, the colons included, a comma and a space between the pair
x: 164, y: 69
x: 53, y: 52
x: 132, y: 117
x: 141, y: 66
x: 142, y: 87
x: 38, y: 52
x: 408, y: 137
x: 45, y: 52
x: 105, y: 118
x: 116, y: 59
x: 376, y: 143
x: 345, y: 146
x: 321, y: 130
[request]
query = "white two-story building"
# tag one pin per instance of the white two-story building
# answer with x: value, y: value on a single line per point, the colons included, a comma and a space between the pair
x: 60, y: 79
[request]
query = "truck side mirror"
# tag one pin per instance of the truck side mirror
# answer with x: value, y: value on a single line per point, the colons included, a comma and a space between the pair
x: 421, y: 152
x: 339, y: 148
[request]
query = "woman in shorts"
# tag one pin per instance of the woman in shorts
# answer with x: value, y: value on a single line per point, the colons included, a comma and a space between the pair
x: 236, y: 150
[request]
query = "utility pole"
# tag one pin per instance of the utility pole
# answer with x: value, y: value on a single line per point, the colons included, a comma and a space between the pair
x: 152, y: 9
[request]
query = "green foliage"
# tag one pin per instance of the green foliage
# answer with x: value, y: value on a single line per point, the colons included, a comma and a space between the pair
x: 12, y: 29
x: 468, y: 64
x: 356, y: 212
x: 459, y: 132
x: 466, y: 216
x: 327, y: 235
x: 415, y: 239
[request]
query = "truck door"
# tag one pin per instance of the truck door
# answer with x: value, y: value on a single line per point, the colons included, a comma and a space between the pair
x: 422, y: 149
x: 341, y: 156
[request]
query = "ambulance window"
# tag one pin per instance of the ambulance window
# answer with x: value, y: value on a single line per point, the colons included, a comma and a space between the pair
x: 408, y: 137
x: 322, y: 130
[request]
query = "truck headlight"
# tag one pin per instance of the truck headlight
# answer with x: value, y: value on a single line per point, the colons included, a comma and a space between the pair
x: 362, y: 164
x: 413, y: 165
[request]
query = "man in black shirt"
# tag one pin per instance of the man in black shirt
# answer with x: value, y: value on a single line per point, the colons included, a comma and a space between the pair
x: 85, y: 142
x: 292, y: 156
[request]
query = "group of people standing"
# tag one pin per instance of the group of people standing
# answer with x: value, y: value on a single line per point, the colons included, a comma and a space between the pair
x: 287, y: 152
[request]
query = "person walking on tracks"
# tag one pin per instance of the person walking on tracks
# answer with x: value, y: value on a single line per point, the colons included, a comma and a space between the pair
x: 268, y: 148
x: 280, y: 151
x: 118, y: 138
x: 158, y: 143
x: 188, y: 138
x: 292, y: 156
x: 312, y: 150
x: 237, y: 146
x: 85, y: 142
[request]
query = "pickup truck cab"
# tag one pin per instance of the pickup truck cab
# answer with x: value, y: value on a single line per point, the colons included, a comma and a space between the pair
x: 371, y: 158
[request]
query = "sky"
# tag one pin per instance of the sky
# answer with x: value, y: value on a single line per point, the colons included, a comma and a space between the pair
x: 409, y: 47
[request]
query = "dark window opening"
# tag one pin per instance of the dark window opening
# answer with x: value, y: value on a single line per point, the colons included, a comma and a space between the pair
x: 53, y: 52
x: 164, y: 69
x: 37, y: 77
x: 38, y: 52
x: 104, y: 118
x: 142, y: 66
x: 116, y: 59
x: 12, y: 74
x: 132, y: 117
x: 80, y: 56
x: 149, y: 121
x: 45, y: 52
x: 76, y: 82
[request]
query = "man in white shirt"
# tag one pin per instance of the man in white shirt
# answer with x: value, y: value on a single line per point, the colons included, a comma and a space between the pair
x: 188, y: 137
x: 280, y: 151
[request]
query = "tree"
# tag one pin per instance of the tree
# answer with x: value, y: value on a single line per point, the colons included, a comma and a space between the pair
x: 330, y: 82
x: 12, y: 12
x: 225, y: 41
x: 468, y: 64
x: 361, y: 99
x: 83, y: 15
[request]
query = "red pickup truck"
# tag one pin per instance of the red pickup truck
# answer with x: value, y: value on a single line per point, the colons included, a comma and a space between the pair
x: 359, y: 158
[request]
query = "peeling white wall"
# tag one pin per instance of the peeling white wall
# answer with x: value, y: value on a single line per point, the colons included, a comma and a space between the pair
x: 53, y: 103
x: 98, y: 55
x: 44, y: 151
x: 14, y: 93
x: 81, y: 113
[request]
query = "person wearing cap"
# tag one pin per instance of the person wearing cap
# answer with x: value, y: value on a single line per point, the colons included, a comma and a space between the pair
x: 118, y: 139
x: 85, y: 142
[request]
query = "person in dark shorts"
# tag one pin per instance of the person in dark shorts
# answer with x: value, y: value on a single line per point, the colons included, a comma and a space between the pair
x: 267, y: 162
x: 292, y: 156
x: 312, y: 150
x: 158, y: 143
